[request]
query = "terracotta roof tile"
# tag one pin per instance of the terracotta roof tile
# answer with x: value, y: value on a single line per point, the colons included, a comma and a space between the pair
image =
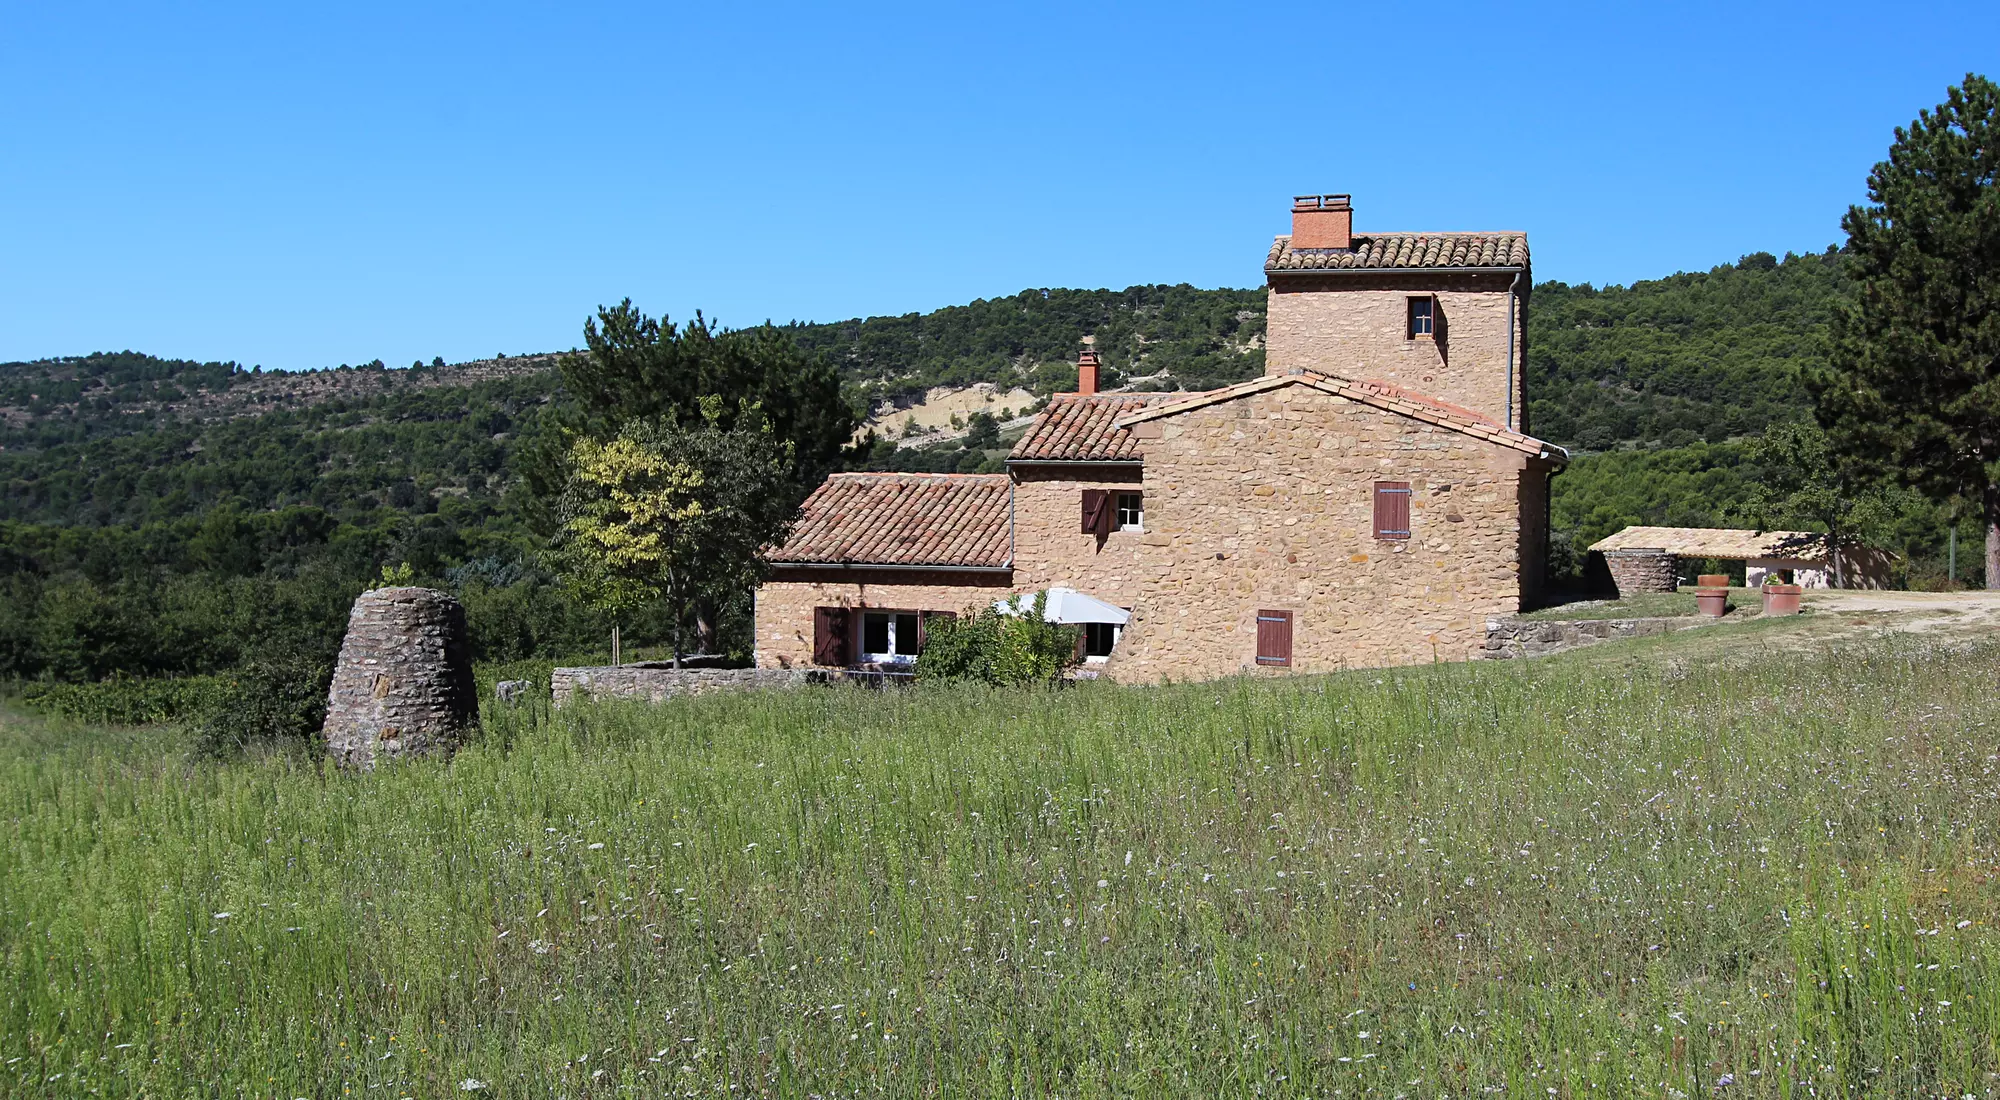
x: 1391, y: 251
x: 1719, y: 542
x: 903, y: 519
x: 1079, y: 428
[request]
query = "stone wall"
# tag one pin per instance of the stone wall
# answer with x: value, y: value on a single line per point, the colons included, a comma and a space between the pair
x: 1509, y: 638
x: 659, y: 684
x: 1267, y: 501
x: 785, y: 602
x: 1356, y: 326
x: 1050, y: 547
x: 1636, y: 571
x: 403, y: 685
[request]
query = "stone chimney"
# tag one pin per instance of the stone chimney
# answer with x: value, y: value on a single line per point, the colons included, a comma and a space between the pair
x: 1086, y: 372
x: 1323, y: 221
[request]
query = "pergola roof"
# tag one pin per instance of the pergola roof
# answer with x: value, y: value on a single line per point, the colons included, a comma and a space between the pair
x: 1719, y: 542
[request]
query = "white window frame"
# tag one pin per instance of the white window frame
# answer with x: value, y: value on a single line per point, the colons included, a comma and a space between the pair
x: 1430, y: 311
x: 1138, y: 522
x: 894, y: 655
x: 1099, y: 658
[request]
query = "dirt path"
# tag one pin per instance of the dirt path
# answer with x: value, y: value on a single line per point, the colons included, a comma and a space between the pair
x: 1950, y: 613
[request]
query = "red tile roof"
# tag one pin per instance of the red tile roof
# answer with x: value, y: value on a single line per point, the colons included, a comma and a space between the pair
x: 1380, y: 395
x: 917, y: 520
x: 1393, y: 251
x: 1078, y: 428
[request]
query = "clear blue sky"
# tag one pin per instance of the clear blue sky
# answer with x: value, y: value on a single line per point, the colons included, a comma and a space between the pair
x: 305, y: 185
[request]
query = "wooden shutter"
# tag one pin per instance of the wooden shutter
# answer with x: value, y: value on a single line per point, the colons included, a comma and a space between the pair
x: 831, y: 636
x: 1392, y: 509
x: 1096, y: 511
x: 1274, y: 638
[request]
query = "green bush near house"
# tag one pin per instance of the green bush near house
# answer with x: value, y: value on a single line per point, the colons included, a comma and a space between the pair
x: 990, y: 646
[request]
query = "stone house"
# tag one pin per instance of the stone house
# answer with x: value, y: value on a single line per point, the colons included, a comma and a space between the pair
x: 1371, y: 500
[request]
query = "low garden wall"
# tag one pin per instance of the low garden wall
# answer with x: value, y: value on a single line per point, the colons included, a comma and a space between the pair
x: 1510, y: 638
x: 657, y: 684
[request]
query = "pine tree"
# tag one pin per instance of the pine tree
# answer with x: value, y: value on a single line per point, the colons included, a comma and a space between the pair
x: 1913, y: 389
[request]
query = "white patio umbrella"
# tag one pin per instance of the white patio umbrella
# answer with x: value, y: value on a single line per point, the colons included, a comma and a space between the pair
x: 1066, y: 605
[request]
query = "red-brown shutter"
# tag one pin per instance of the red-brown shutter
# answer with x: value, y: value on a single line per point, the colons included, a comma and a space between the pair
x: 1096, y: 509
x: 830, y: 636
x: 1392, y: 509
x: 1274, y: 637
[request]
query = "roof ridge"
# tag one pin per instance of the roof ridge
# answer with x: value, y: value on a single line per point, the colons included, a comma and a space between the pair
x: 1359, y: 235
x: 1402, y: 403
x: 909, y: 473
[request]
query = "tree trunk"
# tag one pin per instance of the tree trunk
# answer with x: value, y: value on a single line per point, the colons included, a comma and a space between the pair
x: 705, y: 616
x: 1992, y: 552
x: 1991, y: 498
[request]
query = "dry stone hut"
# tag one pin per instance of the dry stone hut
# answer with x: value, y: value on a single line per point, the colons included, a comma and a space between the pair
x: 403, y: 686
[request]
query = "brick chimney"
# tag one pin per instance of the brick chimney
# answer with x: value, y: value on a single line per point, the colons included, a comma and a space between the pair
x: 1086, y: 372
x: 1323, y: 221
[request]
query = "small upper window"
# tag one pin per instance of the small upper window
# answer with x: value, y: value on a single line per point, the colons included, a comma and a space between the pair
x: 1423, y: 317
x: 1131, y: 512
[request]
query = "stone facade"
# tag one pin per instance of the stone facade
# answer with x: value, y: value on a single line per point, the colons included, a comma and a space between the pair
x: 1356, y: 325
x: 1635, y: 571
x: 655, y: 684
x: 403, y: 686
x: 1050, y: 547
x: 1266, y: 502
x: 785, y: 602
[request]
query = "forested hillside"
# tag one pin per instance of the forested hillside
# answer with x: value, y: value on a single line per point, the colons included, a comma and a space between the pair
x: 140, y: 490
x: 1705, y: 356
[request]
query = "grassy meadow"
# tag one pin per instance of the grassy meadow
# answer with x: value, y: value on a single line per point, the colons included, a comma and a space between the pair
x: 1650, y: 876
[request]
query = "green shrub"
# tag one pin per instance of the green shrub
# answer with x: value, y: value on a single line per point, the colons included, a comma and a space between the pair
x: 128, y: 702
x: 274, y: 701
x: 998, y: 647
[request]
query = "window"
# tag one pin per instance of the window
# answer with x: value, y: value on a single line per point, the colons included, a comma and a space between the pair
x: 1099, y: 639
x: 1423, y: 317
x: 890, y: 636
x: 1096, y: 512
x: 1274, y: 638
x: 1131, y: 512
x: 1392, y: 509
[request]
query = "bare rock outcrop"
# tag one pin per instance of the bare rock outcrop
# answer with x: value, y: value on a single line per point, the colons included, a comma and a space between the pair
x: 403, y: 687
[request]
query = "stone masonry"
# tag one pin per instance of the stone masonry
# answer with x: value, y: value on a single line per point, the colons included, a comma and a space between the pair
x: 1355, y: 325
x: 1512, y: 638
x: 1266, y: 501
x: 656, y: 684
x: 1635, y: 571
x: 1051, y: 549
x: 403, y: 686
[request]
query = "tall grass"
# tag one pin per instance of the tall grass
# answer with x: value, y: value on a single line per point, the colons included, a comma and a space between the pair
x: 1522, y: 878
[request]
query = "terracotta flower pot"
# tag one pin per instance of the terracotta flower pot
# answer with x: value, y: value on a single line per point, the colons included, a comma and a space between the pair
x: 1712, y: 601
x: 1781, y: 599
x: 1713, y: 580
